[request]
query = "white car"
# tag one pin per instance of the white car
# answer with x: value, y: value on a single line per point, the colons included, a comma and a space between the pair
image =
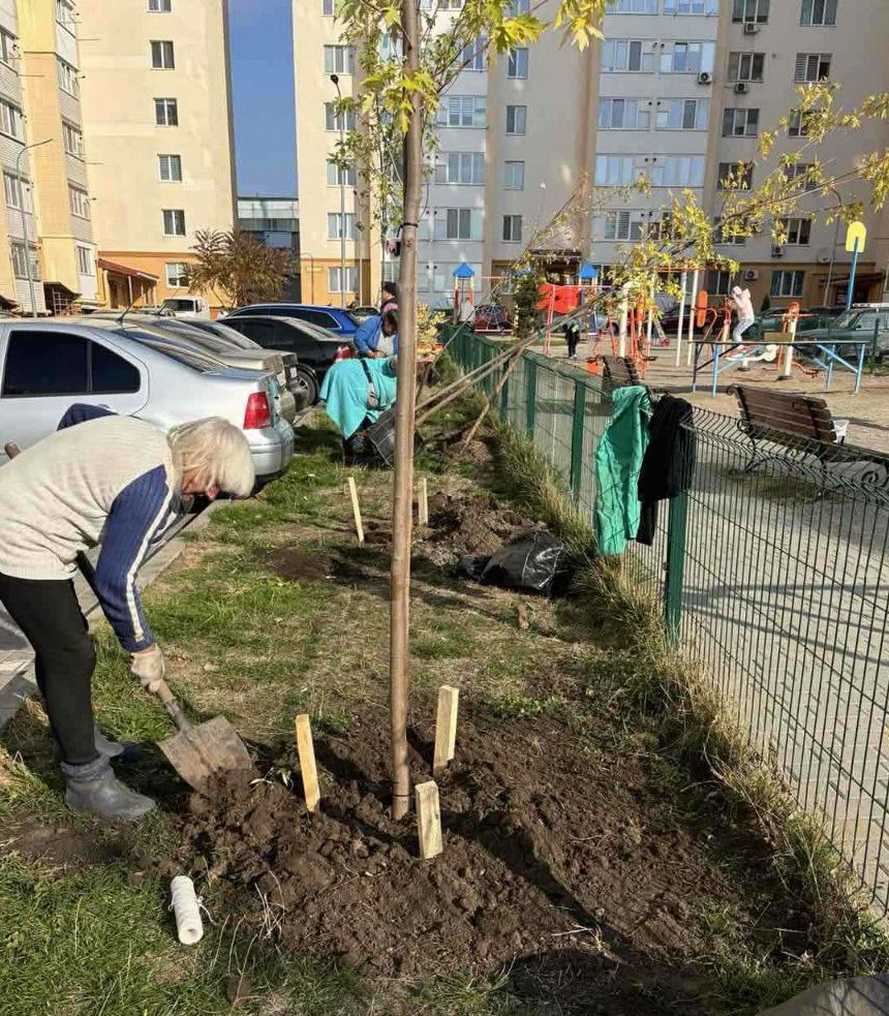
x: 134, y: 370
x: 186, y: 307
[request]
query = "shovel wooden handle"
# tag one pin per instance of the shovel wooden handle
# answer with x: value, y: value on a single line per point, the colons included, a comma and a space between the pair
x: 160, y: 688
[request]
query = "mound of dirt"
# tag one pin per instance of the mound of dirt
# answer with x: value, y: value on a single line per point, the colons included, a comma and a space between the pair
x: 544, y: 862
x: 461, y: 525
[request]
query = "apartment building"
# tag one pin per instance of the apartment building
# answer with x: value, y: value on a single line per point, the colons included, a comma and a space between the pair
x: 678, y: 90
x: 274, y: 222
x: 157, y: 130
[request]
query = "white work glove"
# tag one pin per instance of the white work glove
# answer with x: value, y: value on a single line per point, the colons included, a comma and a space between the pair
x: 148, y: 665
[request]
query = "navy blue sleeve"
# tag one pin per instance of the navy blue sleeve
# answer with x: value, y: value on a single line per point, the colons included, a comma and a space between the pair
x: 80, y: 412
x: 138, y: 514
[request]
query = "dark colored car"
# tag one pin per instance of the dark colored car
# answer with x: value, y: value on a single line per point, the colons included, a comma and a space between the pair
x: 316, y: 349
x: 868, y: 322
x: 334, y: 319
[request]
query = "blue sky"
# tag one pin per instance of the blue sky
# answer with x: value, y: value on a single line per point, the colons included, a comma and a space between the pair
x: 262, y: 83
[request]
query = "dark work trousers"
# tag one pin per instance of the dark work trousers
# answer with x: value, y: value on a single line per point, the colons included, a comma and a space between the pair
x: 48, y: 613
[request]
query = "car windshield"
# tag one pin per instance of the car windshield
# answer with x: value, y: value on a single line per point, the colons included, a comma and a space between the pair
x: 232, y: 335
x: 316, y: 331
x: 177, y: 304
x: 847, y: 320
x: 163, y: 343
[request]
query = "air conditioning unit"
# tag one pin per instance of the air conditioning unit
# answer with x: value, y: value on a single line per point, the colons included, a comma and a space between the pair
x: 750, y: 28
x: 705, y: 78
x: 824, y: 259
x: 777, y: 252
x: 751, y: 275
x: 741, y: 87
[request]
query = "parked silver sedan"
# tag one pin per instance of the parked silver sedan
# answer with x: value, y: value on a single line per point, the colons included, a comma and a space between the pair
x: 134, y: 370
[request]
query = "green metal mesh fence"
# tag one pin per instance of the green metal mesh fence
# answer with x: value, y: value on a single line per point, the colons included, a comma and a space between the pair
x: 772, y: 572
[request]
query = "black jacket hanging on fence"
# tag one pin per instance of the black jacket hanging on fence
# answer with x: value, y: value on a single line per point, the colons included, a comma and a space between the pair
x: 669, y: 460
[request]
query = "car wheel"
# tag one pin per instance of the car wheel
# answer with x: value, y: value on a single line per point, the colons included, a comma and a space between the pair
x: 309, y: 385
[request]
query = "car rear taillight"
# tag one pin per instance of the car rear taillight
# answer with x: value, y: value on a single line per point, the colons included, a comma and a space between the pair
x: 259, y: 412
x: 343, y: 353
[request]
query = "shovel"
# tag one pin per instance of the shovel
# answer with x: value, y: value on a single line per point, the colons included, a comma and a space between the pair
x: 198, y: 751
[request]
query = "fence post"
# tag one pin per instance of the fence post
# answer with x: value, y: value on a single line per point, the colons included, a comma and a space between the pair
x: 577, y: 437
x: 531, y: 395
x: 676, y: 533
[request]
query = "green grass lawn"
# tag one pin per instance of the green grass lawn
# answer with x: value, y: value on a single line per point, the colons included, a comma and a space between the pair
x: 273, y: 610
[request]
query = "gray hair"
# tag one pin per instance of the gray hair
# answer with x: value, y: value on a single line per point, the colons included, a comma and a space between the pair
x: 217, y: 452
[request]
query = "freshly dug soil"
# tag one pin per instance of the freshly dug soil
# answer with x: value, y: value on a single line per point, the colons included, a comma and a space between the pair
x: 547, y: 862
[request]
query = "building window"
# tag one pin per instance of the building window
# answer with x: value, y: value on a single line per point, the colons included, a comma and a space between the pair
x: 514, y: 176
x: 723, y: 236
x: 675, y: 170
x: 461, y: 168
x: 174, y: 222
x: 333, y: 280
x: 718, y: 283
x: 18, y: 192
x: 20, y: 265
x: 170, y: 167
x: 177, y: 274
x: 162, y: 55
x: 683, y: 114
x: 516, y: 119
x: 340, y: 175
x: 691, y: 6
x: 72, y: 138
x: 787, y: 283
x: 622, y: 225
x: 518, y: 7
x: 333, y: 121
x: 335, y: 226
x: 797, y: 231
x: 804, y: 171
x: 458, y: 224
x: 512, y: 228
x: 633, y: 7
x: 463, y: 111
x: 812, y: 67
x: 735, y: 176
x: 86, y: 264
x: 740, y: 123
x: 818, y: 13
x: 615, y: 170
x: 79, y: 201
x: 473, y: 56
x: 68, y: 80
x: 9, y: 49
x: 688, y: 57
x: 160, y: 6
x: 627, y: 55
x: 166, y: 112
x: 327, y: 8
x: 624, y: 114
x: 339, y: 59
x: 517, y: 63
x: 750, y: 11
x: 798, y: 124
x: 65, y: 14
x: 746, y: 66
x: 11, y: 119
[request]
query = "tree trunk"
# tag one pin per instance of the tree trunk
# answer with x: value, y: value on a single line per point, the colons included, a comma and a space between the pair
x: 402, y: 501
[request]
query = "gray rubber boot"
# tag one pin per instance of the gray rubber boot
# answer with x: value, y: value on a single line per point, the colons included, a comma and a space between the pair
x: 95, y: 789
x: 123, y: 751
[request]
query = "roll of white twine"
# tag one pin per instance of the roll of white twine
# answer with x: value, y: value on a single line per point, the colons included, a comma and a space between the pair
x: 186, y: 908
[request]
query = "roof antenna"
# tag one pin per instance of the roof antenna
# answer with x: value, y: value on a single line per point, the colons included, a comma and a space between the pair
x: 120, y: 320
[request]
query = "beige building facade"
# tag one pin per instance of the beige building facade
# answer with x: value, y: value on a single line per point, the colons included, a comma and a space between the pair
x: 678, y: 90
x: 158, y: 134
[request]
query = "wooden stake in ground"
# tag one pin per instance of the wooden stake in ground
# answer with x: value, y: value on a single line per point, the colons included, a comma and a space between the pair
x: 405, y: 425
x: 428, y: 820
x: 306, y: 750
x: 356, y: 510
x: 423, y: 503
x: 445, y: 726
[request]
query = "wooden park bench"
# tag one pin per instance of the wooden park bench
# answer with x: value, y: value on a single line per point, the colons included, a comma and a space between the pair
x: 620, y: 371
x: 789, y: 419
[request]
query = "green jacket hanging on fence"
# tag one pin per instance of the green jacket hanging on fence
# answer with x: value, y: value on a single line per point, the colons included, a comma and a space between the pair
x: 618, y: 461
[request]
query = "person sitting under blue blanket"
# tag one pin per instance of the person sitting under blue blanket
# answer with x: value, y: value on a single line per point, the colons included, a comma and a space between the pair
x: 355, y: 394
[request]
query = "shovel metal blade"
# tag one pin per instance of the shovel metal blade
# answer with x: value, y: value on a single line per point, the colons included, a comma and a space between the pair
x: 204, y: 750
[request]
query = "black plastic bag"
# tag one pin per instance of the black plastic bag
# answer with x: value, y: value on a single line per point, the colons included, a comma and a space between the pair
x: 535, y: 562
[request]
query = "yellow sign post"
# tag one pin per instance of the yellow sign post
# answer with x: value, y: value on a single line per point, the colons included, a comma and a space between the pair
x: 856, y: 237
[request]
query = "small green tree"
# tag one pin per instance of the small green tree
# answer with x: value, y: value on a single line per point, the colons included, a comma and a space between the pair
x: 238, y: 268
x: 526, y: 294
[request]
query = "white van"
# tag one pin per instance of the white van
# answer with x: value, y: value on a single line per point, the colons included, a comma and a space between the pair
x: 186, y: 307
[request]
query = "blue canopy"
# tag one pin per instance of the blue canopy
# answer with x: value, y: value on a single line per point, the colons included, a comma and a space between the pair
x: 463, y: 271
x: 588, y: 272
